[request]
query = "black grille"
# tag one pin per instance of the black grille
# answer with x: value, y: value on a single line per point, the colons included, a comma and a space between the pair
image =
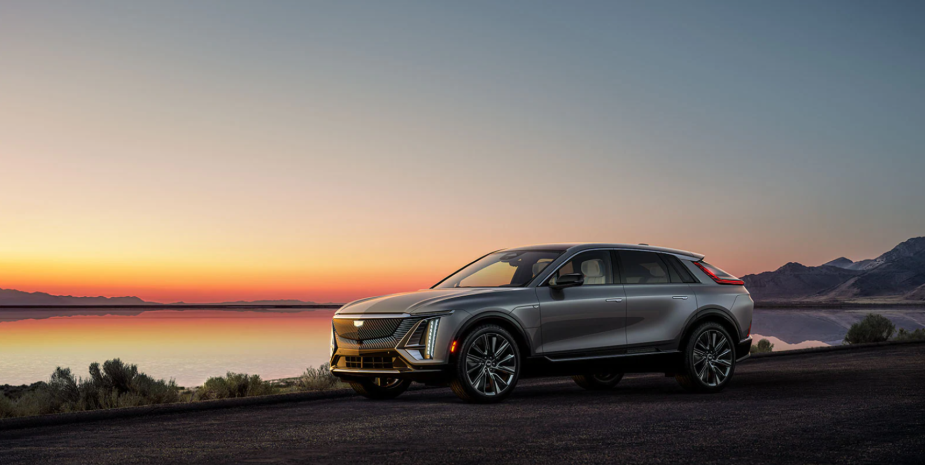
x: 373, y: 328
x: 387, y: 342
x: 368, y: 362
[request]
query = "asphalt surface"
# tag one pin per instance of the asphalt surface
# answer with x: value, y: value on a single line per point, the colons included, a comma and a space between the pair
x: 853, y: 406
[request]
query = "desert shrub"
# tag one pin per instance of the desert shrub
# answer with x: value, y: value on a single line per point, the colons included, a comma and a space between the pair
x: 62, y: 387
x: 234, y: 385
x: 873, y: 328
x: 38, y: 402
x: 155, y: 391
x: 903, y: 335
x: 318, y: 379
x: 7, y: 409
x: 763, y: 346
x: 13, y: 392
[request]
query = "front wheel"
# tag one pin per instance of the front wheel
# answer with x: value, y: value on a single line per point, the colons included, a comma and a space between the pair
x: 709, y: 359
x: 488, y: 366
x: 380, y: 388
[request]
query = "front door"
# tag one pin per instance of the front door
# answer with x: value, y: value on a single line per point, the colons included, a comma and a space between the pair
x: 656, y: 307
x: 586, y: 317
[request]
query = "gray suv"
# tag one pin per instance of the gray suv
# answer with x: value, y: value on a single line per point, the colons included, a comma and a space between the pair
x: 590, y: 311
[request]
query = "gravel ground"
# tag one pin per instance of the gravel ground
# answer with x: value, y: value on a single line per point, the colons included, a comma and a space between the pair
x: 853, y: 406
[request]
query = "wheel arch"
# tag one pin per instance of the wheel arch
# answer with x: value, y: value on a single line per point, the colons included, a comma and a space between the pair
x: 710, y: 314
x: 501, y: 319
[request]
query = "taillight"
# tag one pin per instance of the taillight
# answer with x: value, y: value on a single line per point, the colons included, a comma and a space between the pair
x: 712, y: 275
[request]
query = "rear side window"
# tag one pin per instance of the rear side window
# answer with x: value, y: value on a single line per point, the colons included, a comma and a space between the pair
x: 677, y: 270
x: 638, y: 267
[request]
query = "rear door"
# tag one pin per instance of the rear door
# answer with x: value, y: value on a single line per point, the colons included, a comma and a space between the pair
x: 586, y: 317
x: 656, y: 307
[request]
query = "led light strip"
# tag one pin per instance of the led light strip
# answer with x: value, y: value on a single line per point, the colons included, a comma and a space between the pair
x: 431, y: 337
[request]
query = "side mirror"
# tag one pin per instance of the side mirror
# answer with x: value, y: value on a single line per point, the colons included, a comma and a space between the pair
x: 568, y: 280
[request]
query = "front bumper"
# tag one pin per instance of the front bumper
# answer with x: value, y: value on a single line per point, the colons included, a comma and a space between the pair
x: 392, y: 355
x: 356, y: 364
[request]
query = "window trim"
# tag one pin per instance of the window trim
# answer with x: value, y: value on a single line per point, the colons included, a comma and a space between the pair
x: 615, y: 261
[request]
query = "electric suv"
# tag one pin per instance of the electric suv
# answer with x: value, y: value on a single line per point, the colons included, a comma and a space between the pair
x: 590, y: 311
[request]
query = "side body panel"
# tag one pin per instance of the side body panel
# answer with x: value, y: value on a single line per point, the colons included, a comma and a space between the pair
x: 657, y: 312
x: 583, y: 317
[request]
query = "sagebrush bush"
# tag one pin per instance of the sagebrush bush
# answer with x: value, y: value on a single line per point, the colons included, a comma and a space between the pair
x: 903, y: 335
x: 115, y: 385
x: 318, y: 379
x: 7, y: 409
x: 763, y: 346
x: 873, y: 328
x: 234, y: 385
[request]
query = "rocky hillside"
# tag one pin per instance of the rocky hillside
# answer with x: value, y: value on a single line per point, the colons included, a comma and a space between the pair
x: 897, y: 275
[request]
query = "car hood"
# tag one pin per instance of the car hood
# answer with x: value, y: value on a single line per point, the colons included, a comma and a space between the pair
x: 422, y: 301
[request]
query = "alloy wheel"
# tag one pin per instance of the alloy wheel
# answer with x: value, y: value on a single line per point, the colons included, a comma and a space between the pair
x: 491, y: 364
x: 712, y: 358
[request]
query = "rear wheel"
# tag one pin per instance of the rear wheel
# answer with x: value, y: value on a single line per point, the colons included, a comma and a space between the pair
x: 709, y: 359
x: 380, y: 388
x: 598, y: 381
x: 488, y: 366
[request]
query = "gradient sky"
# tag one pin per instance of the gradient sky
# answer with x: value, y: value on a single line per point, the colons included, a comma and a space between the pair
x: 206, y: 151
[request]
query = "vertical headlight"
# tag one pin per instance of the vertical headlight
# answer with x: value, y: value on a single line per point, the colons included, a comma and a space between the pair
x: 333, y: 341
x: 431, y: 338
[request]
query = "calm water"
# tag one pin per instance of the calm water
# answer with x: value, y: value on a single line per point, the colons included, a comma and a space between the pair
x: 192, y: 345
x: 187, y: 345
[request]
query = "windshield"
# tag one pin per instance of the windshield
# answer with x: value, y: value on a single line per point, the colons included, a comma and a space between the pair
x: 501, y: 269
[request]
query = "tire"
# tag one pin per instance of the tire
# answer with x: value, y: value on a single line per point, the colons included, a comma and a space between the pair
x: 380, y: 388
x: 488, y: 366
x: 709, y: 359
x: 598, y: 381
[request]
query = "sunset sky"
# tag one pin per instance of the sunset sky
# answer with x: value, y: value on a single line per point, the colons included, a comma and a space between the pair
x: 213, y: 151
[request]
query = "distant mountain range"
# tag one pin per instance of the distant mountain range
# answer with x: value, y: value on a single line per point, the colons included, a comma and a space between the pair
x: 896, y: 276
x: 14, y: 297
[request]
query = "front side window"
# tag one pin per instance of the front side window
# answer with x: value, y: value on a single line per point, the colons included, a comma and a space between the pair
x: 594, y: 267
x: 642, y: 268
x: 501, y: 269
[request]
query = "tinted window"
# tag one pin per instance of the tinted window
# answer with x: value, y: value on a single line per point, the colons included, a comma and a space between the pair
x: 640, y: 267
x: 677, y: 270
x: 594, y: 266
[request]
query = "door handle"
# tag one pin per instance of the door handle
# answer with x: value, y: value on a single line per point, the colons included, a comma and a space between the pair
x: 618, y: 299
x: 679, y: 297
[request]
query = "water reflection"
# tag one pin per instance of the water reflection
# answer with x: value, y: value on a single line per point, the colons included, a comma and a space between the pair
x: 188, y: 345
